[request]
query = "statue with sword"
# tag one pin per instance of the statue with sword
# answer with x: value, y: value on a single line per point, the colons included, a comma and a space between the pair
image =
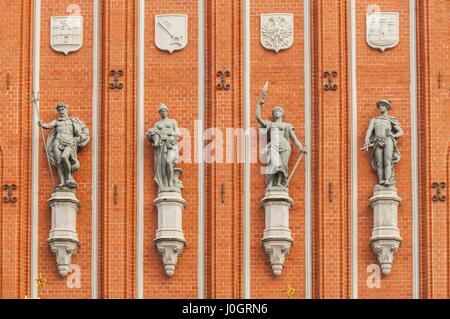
x: 278, y: 149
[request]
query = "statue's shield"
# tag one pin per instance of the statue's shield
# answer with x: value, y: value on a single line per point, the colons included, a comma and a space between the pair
x: 382, y: 30
x: 171, y: 32
x: 66, y: 33
x: 277, y: 31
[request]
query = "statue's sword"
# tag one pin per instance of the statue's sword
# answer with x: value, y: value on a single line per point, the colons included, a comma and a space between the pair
x: 264, y: 90
x: 34, y: 99
x: 295, y: 167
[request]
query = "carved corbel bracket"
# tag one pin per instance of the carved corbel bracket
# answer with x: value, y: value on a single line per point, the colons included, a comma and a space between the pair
x: 169, y: 250
x: 63, y: 251
x: 277, y: 251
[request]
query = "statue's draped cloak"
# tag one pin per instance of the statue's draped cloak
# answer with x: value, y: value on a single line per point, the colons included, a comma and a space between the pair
x: 278, y: 150
x: 165, y: 152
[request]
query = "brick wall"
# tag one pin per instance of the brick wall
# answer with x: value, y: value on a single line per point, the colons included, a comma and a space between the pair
x: 173, y: 79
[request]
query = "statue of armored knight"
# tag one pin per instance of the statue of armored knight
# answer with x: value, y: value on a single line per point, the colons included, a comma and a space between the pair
x: 69, y: 134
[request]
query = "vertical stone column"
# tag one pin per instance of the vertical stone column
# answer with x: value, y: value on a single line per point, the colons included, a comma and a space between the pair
x: 63, y: 238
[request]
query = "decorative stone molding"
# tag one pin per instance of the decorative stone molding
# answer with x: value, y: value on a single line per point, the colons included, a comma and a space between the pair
x: 385, y: 240
x: 169, y: 235
x: 63, y: 238
x: 277, y: 238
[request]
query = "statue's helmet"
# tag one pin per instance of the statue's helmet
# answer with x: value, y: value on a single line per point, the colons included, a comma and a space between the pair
x: 163, y: 106
x: 61, y: 105
x: 387, y: 103
x: 277, y: 108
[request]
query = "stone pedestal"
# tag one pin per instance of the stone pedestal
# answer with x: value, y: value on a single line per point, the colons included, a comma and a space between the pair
x: 169, y: 235
x: 63, y: 238
x: 385, y: 240
x: 277, y: 238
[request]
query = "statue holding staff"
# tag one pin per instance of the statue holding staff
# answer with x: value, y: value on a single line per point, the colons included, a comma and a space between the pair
x: 68, y: 135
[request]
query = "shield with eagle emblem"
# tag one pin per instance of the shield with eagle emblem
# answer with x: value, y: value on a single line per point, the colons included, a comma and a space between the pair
x: 277, y: 31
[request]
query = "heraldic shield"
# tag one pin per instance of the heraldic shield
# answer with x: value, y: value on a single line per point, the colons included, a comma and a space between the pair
x: 171, y: 32
x: 277, y: 31
x: 66, y: 33
x: 382, y: 30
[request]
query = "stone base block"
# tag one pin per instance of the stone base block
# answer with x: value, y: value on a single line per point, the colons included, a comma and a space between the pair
x: 63, y: 238
x: 277, y: 238
x: 385, y: 240
x: 169, y: 239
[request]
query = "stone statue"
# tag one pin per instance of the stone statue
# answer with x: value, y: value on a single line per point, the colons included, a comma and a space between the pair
x: 278, y: 150
x: 68, y: 135
x: 382, y: 136
x: 277, y: 238
x: 170, y: 204
x: 164, y: 138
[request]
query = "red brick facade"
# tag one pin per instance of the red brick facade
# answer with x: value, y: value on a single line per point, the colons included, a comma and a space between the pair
x: 173, y: 79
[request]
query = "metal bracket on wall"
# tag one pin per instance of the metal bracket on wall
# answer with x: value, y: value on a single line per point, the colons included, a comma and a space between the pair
x: 330, y: 85
x: 8, y: 80
x: 439, y: 80
x: 116, y: 84
x: 9, y: 189
x: 330, y: 191
x: 223, y: 85
x: 438, y: 196
x: 223, y: 193
x: 115, y: 194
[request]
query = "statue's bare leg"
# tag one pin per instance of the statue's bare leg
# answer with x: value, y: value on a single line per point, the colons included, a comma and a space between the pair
x: 388, y: 151
x: 58, y: 156
x: 379, y: 160
x: 65, y: 158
